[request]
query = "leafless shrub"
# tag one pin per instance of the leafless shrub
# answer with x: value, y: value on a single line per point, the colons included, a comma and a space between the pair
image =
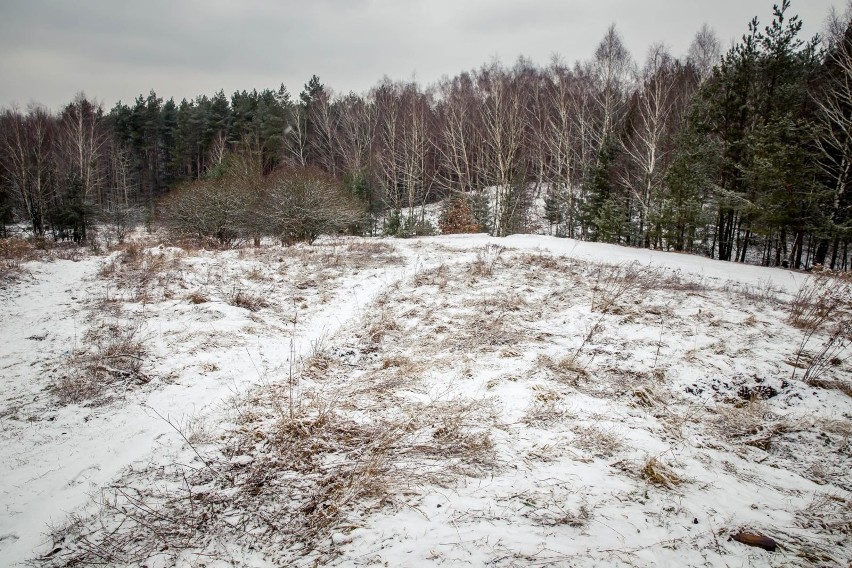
x: 299, y: 205
x: 120, y: 220
x: 616, y: 284
x: 486, y: 260
x: 834, y: 351
x: 823, y: 296
x: 219, y: 208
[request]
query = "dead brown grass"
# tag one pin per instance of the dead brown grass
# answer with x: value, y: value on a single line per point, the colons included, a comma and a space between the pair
x: 600, y: 442
x: 109, y: 363
x: 332, y: 465
x: 657, y: 473
x: 828, y: 512
x: 824, y: 297
x: 143, y: 274
x: 247, y: 300
x: 15, y: 251
x: 750, y: 423
x: 487, y: 260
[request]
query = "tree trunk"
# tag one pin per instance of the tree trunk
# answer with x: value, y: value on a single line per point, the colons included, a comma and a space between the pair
x: 834, y: 251
x: 745, y: 246
x: 781, y: 246
x: 821, y: 251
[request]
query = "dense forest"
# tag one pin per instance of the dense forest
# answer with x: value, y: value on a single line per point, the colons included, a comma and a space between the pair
x: 742, y: 156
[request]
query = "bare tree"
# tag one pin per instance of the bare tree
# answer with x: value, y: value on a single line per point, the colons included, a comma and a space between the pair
x: 612, y: 68
x: 502, y: 117
x: 460, y: 134
x: 323, y: 139
x: 704, y: 52
x: 658, y: 108
x: 835, y: 123
x: 567, y: 143
x: 353, y: 136
x: 27, y: 157
x: 296, y: 139
x: 406, y: 146
x: 836, y: 24
x: 388, y: 143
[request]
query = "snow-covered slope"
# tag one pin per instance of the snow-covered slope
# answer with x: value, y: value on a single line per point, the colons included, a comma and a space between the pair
x: 544, y: 402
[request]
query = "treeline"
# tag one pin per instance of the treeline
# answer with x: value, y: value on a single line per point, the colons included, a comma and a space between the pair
x: 743, y: 156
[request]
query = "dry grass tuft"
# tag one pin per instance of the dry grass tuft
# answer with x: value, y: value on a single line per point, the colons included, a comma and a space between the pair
x: 251, y: 302
x: 378, y: 328
x: 748, y: 423
x: 829, y: 513
x: 566, y: 369
x: 256, y: 274
x: 657, y: 473
x: 109, y: 364
x: 15, y: 250
x: 197, y: 298
x: 617, y: 285
x: 438, y: 276
x: 543, y: 261
x: 145, y: 274
x: 601, y: 442
x: 546, y: 408
x: 487, y: 259
x: 368, y: 247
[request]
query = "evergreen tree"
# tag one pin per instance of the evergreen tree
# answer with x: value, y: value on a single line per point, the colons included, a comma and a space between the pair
x: 759, y: 114
x: 601, y: 192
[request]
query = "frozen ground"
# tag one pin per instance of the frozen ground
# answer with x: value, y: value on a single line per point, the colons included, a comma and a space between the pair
x: 456, y: 400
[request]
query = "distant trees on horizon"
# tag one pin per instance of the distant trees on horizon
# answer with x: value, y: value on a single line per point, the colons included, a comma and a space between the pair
x: 741, y: 156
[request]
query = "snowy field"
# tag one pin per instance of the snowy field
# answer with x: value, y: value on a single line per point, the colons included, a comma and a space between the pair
x: 444, y: 401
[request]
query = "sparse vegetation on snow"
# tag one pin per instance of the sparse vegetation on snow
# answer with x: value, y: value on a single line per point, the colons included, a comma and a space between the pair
x: 512, y: 402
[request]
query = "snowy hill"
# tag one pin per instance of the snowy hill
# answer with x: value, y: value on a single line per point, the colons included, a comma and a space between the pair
x: 527, y: 401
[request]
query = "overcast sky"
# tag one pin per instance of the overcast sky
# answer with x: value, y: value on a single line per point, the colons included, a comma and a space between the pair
x: 114, y: 50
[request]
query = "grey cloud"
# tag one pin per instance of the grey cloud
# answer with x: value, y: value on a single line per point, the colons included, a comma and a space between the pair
x: 116, y: 50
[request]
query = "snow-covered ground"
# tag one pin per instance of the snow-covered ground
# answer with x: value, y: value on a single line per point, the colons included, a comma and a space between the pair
x: 455, y: 400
